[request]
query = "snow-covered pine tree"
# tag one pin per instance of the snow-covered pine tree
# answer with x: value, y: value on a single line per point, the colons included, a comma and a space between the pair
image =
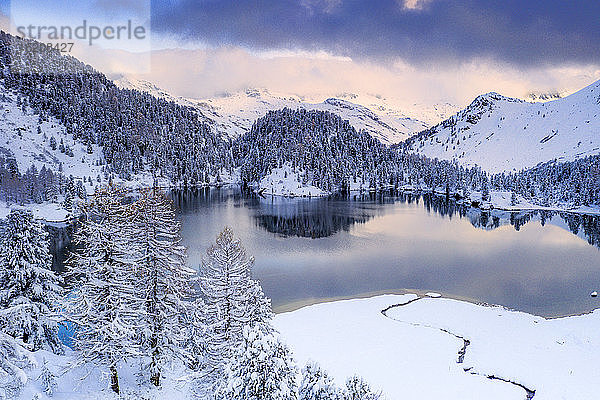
x: 233, y: 299
x: 68, y: 201
x: 163, y: 278
x: 105, y: 302
x: 29, y: 290
x: 485, y: 190
x: 317, y: 385
x: 513, y: 199
x: 358, y: 389
x: 47, y: 379
x: 262, y: 368
x: 80, y: 189
x: 14, y: 361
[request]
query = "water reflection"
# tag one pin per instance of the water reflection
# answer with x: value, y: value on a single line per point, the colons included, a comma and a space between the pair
x: 60, y: 244
x: 535, y: 261
x: 318, y: 218
x: 303, y: 218
x: 322, y: 217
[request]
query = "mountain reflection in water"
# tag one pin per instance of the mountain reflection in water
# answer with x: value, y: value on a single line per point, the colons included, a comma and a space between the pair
x: 322, y: 248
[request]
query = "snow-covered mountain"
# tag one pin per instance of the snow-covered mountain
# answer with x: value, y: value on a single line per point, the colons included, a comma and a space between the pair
x: 431, y: 114
x: 500, y: 133
x: 235, y: 113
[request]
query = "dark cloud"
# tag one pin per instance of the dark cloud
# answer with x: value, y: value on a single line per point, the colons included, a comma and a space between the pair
x: 517, y: 31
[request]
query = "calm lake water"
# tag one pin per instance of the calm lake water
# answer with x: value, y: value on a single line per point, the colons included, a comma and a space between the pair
x: 313, y: 249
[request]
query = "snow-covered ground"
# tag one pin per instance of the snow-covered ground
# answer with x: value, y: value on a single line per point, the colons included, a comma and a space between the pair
x: 438, y: 348
x: 499, y: 133
x: 49, y: 212
x: 501, y: 200
x: 86, y: 383
x: 20, y: 138
x: 235, y: 113
x: 285, y: 182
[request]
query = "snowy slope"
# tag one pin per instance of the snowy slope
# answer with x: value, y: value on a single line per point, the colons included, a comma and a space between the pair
x: 19, y: 139
x: 431, y: 114
x: 235, y: 113
x: 500, y: 133
x: 409, y: 347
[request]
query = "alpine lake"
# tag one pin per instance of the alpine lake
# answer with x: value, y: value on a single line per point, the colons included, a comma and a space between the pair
x: 310, y: 250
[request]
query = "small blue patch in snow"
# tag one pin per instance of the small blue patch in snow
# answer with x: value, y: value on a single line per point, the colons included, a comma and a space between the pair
x: 66, y: 333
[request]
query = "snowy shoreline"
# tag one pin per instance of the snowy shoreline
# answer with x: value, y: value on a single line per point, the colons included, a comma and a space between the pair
x: 286, y: 182
x: 297, y: 305
x: 54, y: 213
x: 499, y: 200
x: 411, y: 346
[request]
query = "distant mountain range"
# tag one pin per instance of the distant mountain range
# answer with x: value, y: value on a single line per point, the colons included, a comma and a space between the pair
x: 495, y: 132
x: 234, y: 114
x: 500, y: 133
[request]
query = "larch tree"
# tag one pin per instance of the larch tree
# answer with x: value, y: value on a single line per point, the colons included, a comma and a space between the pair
x: 163, y: 278
x: 196, y: 333
x: 29, y: 289
x: 105, y: 301
x: 233, y: 299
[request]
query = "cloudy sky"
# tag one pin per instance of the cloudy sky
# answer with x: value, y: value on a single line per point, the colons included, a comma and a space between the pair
x: 422, y: 51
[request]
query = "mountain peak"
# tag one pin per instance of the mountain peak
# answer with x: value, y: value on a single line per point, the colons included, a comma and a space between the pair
x: 491, y: 97
x: 500, y: 133
x: 257, y: 92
